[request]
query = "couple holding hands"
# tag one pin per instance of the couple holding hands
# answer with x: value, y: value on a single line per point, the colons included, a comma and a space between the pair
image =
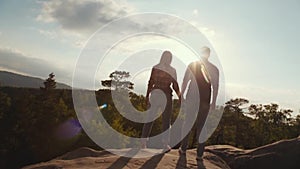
x: 200, y: 76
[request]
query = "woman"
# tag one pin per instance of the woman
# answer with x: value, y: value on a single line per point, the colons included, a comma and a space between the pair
x: 163, y: 75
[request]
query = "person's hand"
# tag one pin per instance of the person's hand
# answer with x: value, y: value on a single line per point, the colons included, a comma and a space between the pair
x: 147, y: 102
x: 179, y: 97
x: 213, y: 106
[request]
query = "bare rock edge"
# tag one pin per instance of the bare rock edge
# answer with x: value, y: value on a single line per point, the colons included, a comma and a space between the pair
x: 282, y: 154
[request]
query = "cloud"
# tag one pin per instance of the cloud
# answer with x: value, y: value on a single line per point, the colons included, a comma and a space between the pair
x: 76, y: 20
x: 83, y: 16
x: 205, y: 30
x: 17, y: 61
x: 48, y: 34
x: 61, y: 36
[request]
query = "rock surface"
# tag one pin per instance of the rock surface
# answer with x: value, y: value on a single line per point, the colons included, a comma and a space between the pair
x: 282, y: 154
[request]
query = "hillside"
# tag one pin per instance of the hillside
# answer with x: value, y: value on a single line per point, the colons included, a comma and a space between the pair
x: 282, y: 154
x: 37, y: 126
x: 17, y: 80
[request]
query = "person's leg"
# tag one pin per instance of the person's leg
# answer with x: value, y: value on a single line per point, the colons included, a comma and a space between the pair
x: 166, y: 121
x: 190, y: 113
x: 145, y: 134
x: 185, y: 141
x: 155, y: 108
x: 202, y: 116
x: 147, y: 129
x: 200, y: 149
x: 200, y: 146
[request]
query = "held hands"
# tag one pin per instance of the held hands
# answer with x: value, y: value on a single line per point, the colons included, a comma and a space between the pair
x: 148, y: 102
x: 213, y: 106
x: 179, y: 97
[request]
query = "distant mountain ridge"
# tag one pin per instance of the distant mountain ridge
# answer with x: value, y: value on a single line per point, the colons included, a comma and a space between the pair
x: 17, y: 80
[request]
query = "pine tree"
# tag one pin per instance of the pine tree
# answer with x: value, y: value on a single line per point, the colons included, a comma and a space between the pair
x: 49, y: 83
x: 118, y: 81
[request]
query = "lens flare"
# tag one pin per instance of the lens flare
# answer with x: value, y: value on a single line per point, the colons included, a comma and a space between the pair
x: 68, y: 129
x: 103, y: 106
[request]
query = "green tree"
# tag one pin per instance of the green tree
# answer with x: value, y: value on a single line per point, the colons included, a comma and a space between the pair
x: 118, y: 81
x: 5, y: 103
x: 234, y: 106
x: 297, y: 125
x: 49, y: 83
x: 272, y: 123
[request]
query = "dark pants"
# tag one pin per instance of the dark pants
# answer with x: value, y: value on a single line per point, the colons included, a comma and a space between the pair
x: 204, y: 107
x: 166, y: 118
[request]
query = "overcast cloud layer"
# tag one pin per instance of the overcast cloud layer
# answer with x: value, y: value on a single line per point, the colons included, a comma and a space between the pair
x: 83, y: 16
x: 12, y: 59
x: 73, y: 21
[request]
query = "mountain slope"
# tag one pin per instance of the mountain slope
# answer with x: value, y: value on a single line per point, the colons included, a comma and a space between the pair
x: 17, y: 80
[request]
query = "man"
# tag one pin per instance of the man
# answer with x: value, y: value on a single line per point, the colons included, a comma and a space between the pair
x: 213, y: 72
x: 204, y: 78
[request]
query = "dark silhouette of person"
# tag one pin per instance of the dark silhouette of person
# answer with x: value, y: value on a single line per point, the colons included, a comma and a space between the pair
x: 213, y: 73
x: 163, y: 76
x: 206, y: 81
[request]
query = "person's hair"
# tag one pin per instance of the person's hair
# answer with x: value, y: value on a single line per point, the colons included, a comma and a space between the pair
x: 166, y: 58
x: 207, y: 49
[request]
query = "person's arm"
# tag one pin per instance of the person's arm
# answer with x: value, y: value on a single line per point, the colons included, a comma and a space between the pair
x: 175, y: 85
x: 186, y: 79
x: 150, y: 85
x: 215, y: 87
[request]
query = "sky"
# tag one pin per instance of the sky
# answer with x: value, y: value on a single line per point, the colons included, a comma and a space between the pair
x: 256, y: 42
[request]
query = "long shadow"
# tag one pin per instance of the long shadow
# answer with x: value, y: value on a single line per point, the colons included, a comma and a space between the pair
x: 152, y: 162
x: 122, y: 161
x: 181, y: 163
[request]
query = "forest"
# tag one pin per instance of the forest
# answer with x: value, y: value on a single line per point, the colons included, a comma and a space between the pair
x: 32, y: 123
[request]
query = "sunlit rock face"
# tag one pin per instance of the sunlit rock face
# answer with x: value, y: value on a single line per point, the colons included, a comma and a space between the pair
x: 282, y: 154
